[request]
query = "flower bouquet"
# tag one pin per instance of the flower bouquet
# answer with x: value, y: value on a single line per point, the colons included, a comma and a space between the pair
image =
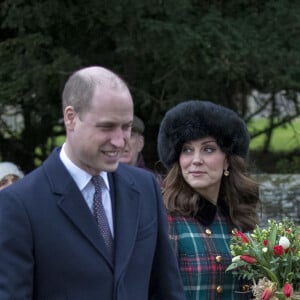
x: 270, y: 257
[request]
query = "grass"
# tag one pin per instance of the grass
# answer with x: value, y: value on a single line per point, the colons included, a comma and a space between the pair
x: 285, y: 138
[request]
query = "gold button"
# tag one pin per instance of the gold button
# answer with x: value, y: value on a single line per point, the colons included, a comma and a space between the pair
x: 234, y: 231
x: 218, y: 258
x: 208, y: 231
x: 219, y: 289
x: 246, y: 288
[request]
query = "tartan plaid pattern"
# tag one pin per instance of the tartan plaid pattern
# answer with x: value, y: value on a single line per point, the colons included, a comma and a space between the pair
x: 196, y: 254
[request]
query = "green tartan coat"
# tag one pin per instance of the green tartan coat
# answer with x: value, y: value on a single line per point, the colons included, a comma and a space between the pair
x: 203, y: 254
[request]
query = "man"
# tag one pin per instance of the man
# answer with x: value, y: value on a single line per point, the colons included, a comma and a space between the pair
x: 132, y: 154
x: 53, y: 242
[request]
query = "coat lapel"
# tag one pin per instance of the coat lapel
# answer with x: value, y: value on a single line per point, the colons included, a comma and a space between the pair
x: 76, y: 210
x: 72, y: 204
x: 126, y: 211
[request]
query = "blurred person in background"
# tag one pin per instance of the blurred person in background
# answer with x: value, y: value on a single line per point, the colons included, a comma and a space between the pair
x: 132, y: 154
x: 9, y: 173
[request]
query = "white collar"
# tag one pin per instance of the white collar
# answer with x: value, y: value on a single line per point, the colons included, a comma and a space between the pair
x: 81, y: 177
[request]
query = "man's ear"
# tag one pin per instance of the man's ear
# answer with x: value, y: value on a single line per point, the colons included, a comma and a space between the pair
x: 69, y: 117
x: 141, y: 143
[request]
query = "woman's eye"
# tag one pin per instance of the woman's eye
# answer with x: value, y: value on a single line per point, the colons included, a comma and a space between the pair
x: 186, y: 149
x: 209, y: 149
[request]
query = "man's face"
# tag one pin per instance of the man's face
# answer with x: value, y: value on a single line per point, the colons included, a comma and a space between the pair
x: 97, y: 138
x: 132, y: 149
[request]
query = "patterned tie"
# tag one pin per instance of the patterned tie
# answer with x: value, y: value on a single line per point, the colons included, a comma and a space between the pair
x: 100, y: 214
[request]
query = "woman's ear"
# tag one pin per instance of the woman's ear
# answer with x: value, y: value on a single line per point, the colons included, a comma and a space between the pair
x: 226, y: 164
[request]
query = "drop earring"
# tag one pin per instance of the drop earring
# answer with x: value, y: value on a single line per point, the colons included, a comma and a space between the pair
x: 226, y: 173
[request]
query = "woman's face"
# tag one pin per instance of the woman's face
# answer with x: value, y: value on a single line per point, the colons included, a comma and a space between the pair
x: 202, y: 165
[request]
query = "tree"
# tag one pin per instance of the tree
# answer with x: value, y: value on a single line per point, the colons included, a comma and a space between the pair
x: 168, y: 51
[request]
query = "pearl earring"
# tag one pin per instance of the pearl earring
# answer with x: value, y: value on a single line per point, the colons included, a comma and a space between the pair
x: 226, y: 173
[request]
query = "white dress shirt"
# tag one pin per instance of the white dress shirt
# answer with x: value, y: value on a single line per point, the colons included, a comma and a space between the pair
x: 83, y: 181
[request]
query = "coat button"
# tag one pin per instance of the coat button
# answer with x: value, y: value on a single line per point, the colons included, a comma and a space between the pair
x: 218, y: 258
x: 246, y: 288
x: 234, y: 231
x: 208, y: 231
x: 219, y: 289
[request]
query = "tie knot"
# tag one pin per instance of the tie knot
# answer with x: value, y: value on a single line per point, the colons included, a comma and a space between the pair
x: 98, y: 182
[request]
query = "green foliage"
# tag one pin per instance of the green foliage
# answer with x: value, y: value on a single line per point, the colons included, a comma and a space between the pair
x: 168, y: 51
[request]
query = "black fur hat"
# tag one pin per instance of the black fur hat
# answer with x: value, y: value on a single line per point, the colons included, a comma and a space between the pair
x: 197, y: 119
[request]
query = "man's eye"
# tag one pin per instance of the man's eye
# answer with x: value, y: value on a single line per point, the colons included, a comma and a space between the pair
x: 127, y: 127
x: 104, y: 126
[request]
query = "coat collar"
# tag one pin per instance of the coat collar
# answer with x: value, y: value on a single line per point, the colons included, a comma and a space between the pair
x: 126, y: 202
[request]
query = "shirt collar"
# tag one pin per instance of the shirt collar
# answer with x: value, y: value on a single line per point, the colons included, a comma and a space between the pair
x: 81, y: 177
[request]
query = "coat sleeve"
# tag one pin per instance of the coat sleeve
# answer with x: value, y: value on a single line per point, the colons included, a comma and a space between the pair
x: 16, y: 258
x: 166, y: 283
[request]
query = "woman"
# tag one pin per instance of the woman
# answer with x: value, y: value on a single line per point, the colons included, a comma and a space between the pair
x: 208, y: 193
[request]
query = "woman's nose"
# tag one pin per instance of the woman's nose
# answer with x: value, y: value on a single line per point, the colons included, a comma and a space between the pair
x: 198, y: 159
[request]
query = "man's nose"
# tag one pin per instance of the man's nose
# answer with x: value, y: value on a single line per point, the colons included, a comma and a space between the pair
x: 119, y: 138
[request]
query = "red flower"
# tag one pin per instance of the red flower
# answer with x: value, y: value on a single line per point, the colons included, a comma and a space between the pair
x: 243, y: 237
x: 267, y: 294
x: 249, y: 259
x: 288, y: 290
x: 278, y: 250
x: 266, y: 242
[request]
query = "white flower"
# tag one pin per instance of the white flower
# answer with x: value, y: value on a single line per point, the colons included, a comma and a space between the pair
x: 236, y: 258
x: 264, y: 249
x: 284, y: 242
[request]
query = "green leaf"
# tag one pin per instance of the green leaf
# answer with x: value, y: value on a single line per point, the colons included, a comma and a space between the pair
x: 272, y: 238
